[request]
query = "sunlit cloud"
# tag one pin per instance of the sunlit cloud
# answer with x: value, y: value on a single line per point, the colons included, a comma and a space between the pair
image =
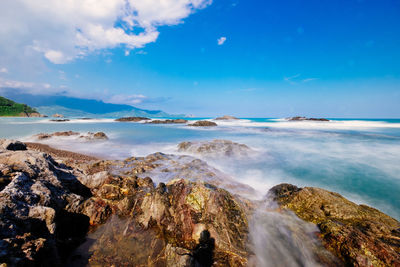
x: 62, y: 30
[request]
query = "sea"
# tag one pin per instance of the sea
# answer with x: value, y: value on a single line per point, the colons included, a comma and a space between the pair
x: 358, y: 158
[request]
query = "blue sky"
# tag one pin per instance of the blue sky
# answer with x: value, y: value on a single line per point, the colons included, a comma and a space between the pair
x: 280, y: 58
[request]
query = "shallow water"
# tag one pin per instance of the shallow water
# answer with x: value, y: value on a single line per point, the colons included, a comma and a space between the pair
x: 358, y: 158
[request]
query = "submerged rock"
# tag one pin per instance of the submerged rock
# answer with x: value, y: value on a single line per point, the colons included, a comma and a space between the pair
x: 203, y: 123
x: 226, y: 117
x: 134, y: 119
x: 215, y: 148
x: 359, y: 235
x: 168, y: 121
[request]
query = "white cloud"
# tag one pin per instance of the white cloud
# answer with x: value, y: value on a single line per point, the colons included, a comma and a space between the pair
x: 63, y: 30
x: 126, y: 99
x: 3, y: 70
x: 221, y: 40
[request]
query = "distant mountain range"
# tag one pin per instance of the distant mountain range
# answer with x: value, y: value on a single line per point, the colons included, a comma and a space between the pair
x: 77, y: 107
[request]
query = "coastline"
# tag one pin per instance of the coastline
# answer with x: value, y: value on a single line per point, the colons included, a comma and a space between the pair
x: 116, y: 185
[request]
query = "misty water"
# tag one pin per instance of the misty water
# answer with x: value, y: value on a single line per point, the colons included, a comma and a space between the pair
x: 359, y: 159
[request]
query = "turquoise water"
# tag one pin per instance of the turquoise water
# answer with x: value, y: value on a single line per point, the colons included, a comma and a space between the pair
x: 358, y: 158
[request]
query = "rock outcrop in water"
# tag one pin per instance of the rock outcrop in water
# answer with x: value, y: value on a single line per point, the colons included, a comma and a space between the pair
x: 226, y: 117
x: 299, y: 118
x: 357, y: 234
x: 203, y: 124
x: 215, y: 148
x: 88, y: 136
x: 174, y: 121
x: 134, y: 119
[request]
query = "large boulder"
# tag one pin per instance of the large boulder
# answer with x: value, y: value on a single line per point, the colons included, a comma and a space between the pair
x: 39, y: 200
x: 158, y: 225
x: 215, y: 148
x: 357, y: 234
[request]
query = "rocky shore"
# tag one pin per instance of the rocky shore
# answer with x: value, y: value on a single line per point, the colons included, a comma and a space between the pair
x: 63, y: 208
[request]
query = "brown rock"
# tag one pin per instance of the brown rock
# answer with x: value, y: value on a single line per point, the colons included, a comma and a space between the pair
x: 134, y: 119
x: 357, y: 234
x: 203, y: 123
x: 227, y: 117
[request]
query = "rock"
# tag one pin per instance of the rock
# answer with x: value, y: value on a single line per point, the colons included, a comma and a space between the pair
x: 36, y: 115
x: 227, y: 117
x: 134, y: 119
x: 12, y: 145
x: 168, y: 121
x: 38, y: 203
x: 357, y: 234
x: 203, y: 123
x: 60, y: 120
x: 298, y: 118
x: 157, y: 225
x: 57, y: 115
x: 95, y: 136
x: 215, y: 148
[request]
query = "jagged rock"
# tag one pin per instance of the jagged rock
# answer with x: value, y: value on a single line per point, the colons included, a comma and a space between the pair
x: 157, y: 224
x: 38, y: 203
x: 215, y: 148
x: 227, y: 117
x: 168, y: 121
x: 203, y: 123
x: 12, y: 145
x: 298, y: 118
x: 135, y: 119
x: 357, y: 234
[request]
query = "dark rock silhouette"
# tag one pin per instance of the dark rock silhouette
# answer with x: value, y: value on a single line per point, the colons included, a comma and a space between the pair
x: 203, y: 253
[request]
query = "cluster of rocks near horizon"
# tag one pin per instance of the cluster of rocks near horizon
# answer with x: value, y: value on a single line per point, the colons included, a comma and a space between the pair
x: 57, y: 210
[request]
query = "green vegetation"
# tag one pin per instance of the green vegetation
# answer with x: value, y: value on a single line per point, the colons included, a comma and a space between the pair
x: 11, y: 108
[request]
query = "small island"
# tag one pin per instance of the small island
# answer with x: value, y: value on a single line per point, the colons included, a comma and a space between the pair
x: 9, y: 108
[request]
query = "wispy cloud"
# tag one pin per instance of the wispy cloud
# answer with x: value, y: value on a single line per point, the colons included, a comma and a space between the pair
x: 297, y: 79
x: 62, y: 31
x: 221, y: 40
x: 3, y: 70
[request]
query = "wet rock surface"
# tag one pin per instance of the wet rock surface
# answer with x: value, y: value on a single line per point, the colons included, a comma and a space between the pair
x: 359, y: 235
x: 134, y: 119
x: 203, y: 124
x: 155, y: 226
x: 175, y: 121
x: 215, y: 148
